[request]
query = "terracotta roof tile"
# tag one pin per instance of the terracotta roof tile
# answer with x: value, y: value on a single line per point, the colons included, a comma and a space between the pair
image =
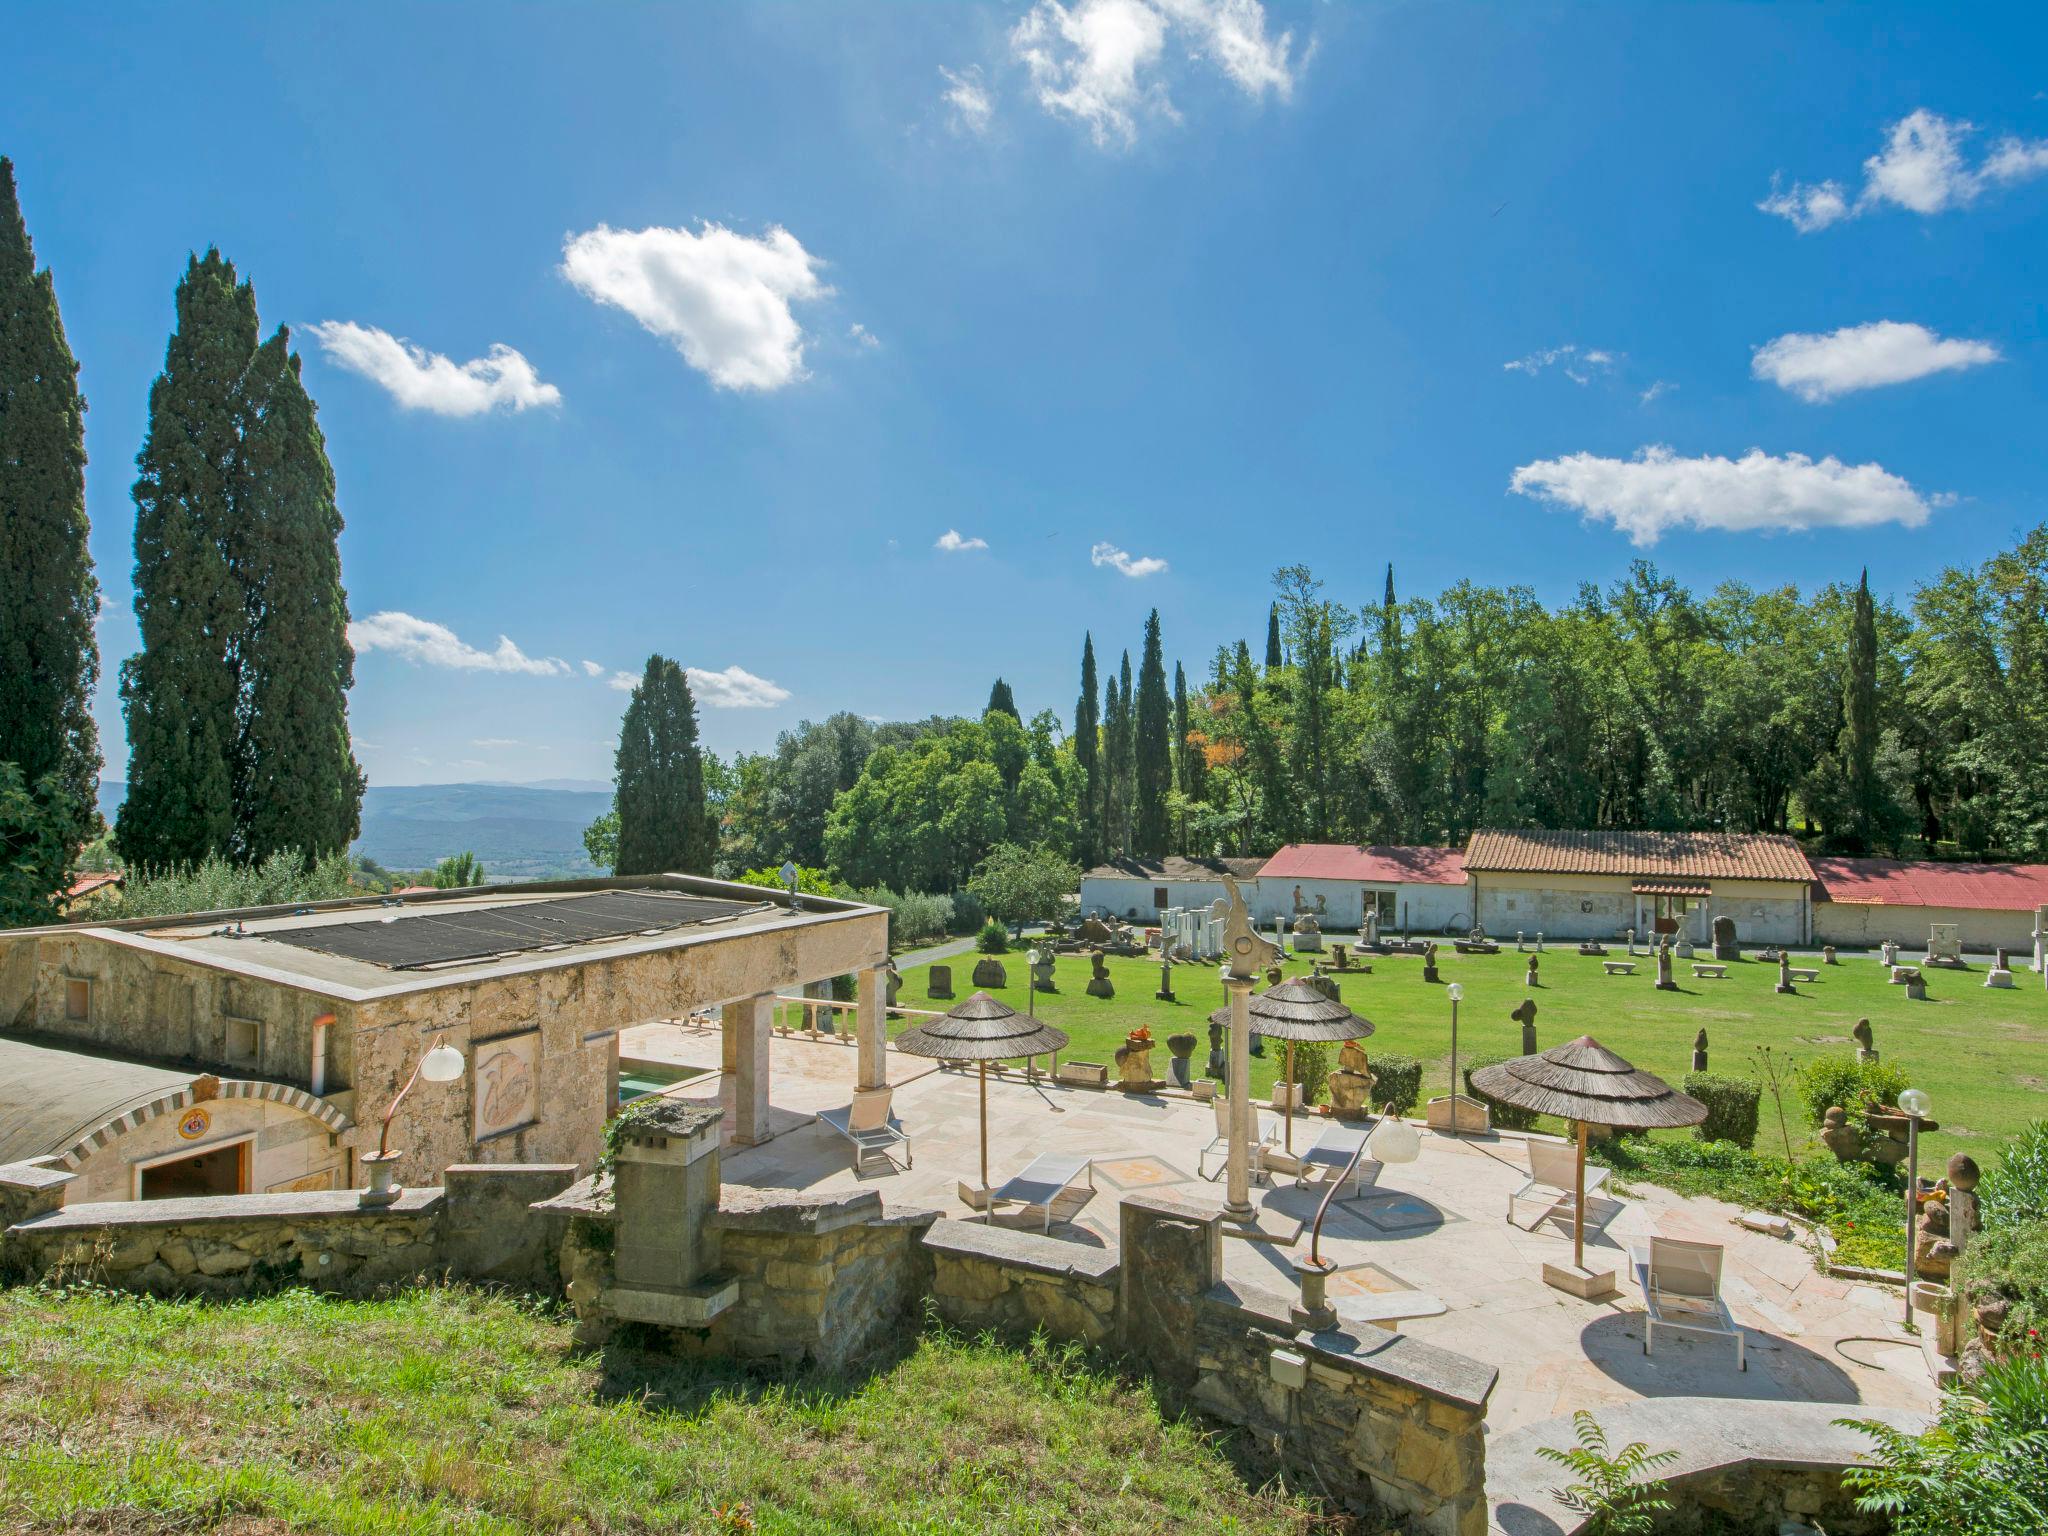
x: 1700, y: 855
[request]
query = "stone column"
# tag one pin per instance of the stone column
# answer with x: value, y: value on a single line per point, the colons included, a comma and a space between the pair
x: 872, y: 1023
x: 1237, y: 1201
x: 747, y: 1028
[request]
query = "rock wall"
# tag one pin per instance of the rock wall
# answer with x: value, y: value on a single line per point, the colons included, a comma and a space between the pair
x: 1000, y: 1280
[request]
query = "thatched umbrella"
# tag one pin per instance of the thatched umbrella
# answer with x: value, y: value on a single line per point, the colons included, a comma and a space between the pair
x: 1299, y: 1010
x: 981, y: 1030
x: 1583, y: 1081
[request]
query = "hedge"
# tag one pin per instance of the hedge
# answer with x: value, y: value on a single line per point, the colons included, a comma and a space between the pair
x: 1506, y: 1117
x: 1399, y: 1081
x: 1733, y: 1104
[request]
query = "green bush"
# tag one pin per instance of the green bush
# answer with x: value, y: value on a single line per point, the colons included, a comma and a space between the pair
x: 1855, y: 1085
x: 1312, y: 1070
x: 994, y: 938
x: 1506, y: 1117
x: 914, y: 917
x: 2011, y: 1262
x: 1980, y: 1469
x: 968, y: 912
x: 1399, y: 1081
x: 1732, y: 1107
x: 2016, y: 1191
x: 215, y: 885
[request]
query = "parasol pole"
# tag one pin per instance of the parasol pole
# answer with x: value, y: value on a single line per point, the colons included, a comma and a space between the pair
x: 1578, y: 1205
x: 988, y: 1205
x: 1288, y: 1068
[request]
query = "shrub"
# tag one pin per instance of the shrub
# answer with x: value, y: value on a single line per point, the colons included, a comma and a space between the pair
x: 2016, y: 1191
x: 968, y: 912
x: 215, y: 885
x: 914, y: 917
x: 994, y: 938
x: 1980, y: 1469
x: 1507, y: 1116
x: 1312, y: 1069
x: 2011, y: 1262
x: 1732, y: 1107
x: 1827, y: 1081
x: 1399, y: 1081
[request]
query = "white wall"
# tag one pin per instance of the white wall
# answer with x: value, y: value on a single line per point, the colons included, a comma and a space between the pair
x: 1854, y: 925
x: 1121, y: 896
x: 1429, y: 907
x: 1603, y: 907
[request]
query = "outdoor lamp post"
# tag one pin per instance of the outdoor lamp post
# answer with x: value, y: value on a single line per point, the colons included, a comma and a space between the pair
x: 1456, y: 993
x: 442, y: 1063
x: 1914, y: 1104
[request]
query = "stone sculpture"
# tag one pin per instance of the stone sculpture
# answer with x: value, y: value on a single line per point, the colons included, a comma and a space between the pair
x: 1866, y: 1042
x: 1525, y: 1015
x: 1308, y: 934
x: 1099, y: 984
x: 989, y: 972
x: 1724, y: 939
x: 1529, y: 978
x: 1888, y: 953
x: 1699, y: 1051
x: 1182, y: 1050
x: 1785, y: 974
x: 1944, y: 945
x: 1429, y: 972
x: 1827, y: 955
x: 1042, y: 960
x: 1839, y: 1136
x: 1218, y: 1067
x: 1351, y: 1084
x: 895, y: 983
x: 2000, y: 975
x: 1631, y: 940
x: 1134, y: 1062
x: 1664, y: 981
x: 1683, y: 949
x: 941, y: 984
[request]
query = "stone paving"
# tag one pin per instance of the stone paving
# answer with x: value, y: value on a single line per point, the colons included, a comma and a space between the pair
x: 1434, y: 1226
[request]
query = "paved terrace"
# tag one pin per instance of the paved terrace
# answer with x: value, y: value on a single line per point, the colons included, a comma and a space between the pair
x: 1433, y: 1226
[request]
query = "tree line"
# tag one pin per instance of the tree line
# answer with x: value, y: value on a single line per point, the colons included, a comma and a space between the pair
x: 237, y: 704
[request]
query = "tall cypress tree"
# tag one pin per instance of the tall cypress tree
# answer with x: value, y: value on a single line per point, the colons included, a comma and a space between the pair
x: 1087, y: 742
x: 1123, y: 761
x: 1859, y: 726
x: 1152, y: 766
x: 1193, y: 763
x: 182, y: 693
x: 1113, y: 842
x: 664, y: 825
x: 297, y: 781
x: 1274, y: 656
x: 1000, y: 697
x: 49, y: 658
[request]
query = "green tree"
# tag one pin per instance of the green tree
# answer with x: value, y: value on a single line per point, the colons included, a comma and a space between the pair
x: 601, y: 840
x: 664, y: 825
x: 1275, y: 657
x: 182, y: 693
x: 49, y: 659
x: 458, y: 872
x: 1087, y: 749
x: 37, y: 846
x: 1151, y: 748
x: 1000, y: 698
x: 297, y: 781
x: 1025, y: 885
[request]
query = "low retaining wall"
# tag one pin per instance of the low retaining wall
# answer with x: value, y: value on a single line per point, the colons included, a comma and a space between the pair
x: 1009, y: 1282
x: 478, y: 1227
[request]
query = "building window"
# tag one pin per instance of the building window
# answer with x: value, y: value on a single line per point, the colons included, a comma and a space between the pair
x: 242, y: 1042
x: 77, y: 998
x: 1159, y: 898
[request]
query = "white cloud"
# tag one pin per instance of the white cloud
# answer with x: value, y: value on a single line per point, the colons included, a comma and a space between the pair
x: 1578, y: 363
x: 1658, y: 388
x: 723, y: 299
x: 492, y: 743
x: 426, y: 643
x: 862, y: 336
x: 951, y: 542
x: 734, y: 688
x: 1818, y: 367
x: 967, y: 100
x: 1099, y: 61
x: 421, y: 380
x: 1129, y: 565
x: 593, y: 669
x: 1921, y: 168
x: 1656, y: 491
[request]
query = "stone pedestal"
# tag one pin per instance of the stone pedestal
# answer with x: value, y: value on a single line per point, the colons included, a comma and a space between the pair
x: 1586, y: 1284
x: 1474, y: 1118
x: 666, y: 1250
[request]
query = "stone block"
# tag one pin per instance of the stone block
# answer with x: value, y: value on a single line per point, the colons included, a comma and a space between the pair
x: 782, y: 1274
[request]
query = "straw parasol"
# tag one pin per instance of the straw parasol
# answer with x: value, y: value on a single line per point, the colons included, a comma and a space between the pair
x: 1584, y: 1082
x: 981, y: 1030
x: 1298, y: 1010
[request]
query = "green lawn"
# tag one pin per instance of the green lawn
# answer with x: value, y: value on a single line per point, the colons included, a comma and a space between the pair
x: 446, y: 1411
x: 1982, y: 1055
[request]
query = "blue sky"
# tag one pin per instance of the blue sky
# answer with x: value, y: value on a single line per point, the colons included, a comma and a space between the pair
x: 1147, y: 296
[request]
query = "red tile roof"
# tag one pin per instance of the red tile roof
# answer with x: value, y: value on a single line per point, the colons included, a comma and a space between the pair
x: 1377, y: 865
x: 1911, y: 883
x: 92, y: 880
x: 1700, y: 855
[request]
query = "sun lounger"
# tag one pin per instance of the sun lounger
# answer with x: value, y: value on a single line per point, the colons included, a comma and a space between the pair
x: 872, y: 1127
x: 1265, y: 1137
x: 1553, y: 1179
x: 1333, y: 1150
x: 1043, y: 1181
x: 1681, y: 1284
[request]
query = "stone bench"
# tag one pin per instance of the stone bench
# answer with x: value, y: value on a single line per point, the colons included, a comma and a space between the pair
x: 1620, y: 967
x: 1702, y: 970
x: 1800, y: 973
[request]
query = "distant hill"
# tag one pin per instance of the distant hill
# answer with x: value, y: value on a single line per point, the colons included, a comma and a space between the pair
x: 519, y: 831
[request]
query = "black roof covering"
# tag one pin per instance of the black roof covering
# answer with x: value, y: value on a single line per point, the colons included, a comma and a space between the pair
x: 407, y: 941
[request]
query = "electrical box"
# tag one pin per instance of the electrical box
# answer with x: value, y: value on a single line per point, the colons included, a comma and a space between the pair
x: 1289, y: 1368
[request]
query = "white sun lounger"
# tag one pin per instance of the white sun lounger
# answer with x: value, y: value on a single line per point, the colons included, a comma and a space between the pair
x: 1265, y: 1138
x: 1682, y: 1289
x: 1333, y: 1150
x: 872, y: 1127
x: 1553, y: 1177
x: 1044, y: 1180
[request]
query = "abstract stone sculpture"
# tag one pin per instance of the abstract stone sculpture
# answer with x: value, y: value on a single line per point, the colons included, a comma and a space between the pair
x: 941, y: 984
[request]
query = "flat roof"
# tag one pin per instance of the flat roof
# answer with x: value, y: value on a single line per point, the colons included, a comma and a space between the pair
x: 368, y: 947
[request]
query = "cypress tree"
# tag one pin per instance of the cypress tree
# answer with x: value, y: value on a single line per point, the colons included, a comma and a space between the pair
x: 1000, y: 697
x: 1087, y: 733
x: 1152, y: 765
x: 1194, y: 764
x: 1274, y: 658
x: 1123, y: 762
x: 1859, y: 728
x: 297, y: 782
x: 664, y: 824
x: 182, y: 693
x: 1113, y: 844
x: 49, y: 658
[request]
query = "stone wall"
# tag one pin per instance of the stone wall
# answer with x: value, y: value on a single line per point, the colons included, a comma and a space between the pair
x: 1001, y: 1280
x: 1859, y: 925
x: 1575, y: 907
x: 1381, y: 1420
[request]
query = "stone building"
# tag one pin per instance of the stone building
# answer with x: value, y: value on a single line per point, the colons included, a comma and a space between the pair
x: 1863, y: 902
x: 1139, y: 889
x: 1593, y: 885
x: 256, y: 1051
x: 1422, y: 888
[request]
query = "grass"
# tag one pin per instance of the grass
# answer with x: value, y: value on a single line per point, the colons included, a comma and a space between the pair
x: 1982, y: 1055
x: 448, y: 1411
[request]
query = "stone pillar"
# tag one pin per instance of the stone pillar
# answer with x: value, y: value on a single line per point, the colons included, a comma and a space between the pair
x: 743, y: 1089
x: 1237, y: 1200
x: 1171, y: 1252
x: 873, y: 1025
